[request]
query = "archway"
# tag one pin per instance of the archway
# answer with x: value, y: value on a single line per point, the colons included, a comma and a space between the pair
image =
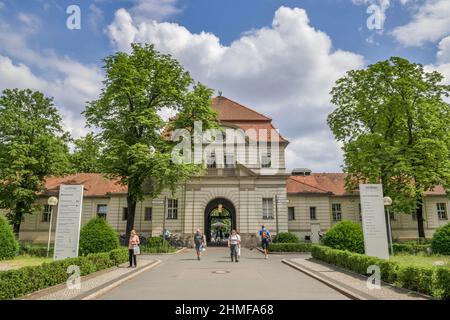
x: 220, y: 213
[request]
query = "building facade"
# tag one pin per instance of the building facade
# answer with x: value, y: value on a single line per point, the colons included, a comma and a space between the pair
x: 243, y: 188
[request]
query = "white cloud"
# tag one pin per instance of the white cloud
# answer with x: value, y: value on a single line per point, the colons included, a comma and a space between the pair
x: 146, y: 10
x: 285, y: 71
x: 68, y: 81
x: 30, y: 22
x: 443, y: 54
x: 430, y: 23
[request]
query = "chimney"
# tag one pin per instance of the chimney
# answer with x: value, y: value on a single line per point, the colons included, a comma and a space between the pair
x: 302, y: 172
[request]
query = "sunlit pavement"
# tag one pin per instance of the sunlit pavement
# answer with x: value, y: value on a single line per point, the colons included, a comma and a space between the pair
x: 182, y: 277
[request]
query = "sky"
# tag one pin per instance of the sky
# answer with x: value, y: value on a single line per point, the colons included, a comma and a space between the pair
x: 280, y: 58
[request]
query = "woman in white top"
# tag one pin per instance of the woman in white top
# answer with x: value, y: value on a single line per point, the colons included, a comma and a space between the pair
x: 234, y: 242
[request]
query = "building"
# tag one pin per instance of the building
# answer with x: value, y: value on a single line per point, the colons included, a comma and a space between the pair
x: 242, y: 195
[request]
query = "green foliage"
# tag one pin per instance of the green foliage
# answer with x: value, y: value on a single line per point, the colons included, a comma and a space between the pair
x: 17, y: 283
x: 433, y: 281
x: 411, y: 248
x: 285, y: 237
x: 97, y: 236
x: 33, y: 146
x: 34, y: 250
x: 345, y: 235
x: 137, y: 86
x: 290, y: 247
x: 156, y: 245
x: 86, y: 155
x: 154, y: 242
x: 440, y: 242
x: 9, y: 246
x: 393, y: 122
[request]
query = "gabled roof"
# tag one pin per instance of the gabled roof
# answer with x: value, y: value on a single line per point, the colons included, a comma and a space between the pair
x: 231, y: 111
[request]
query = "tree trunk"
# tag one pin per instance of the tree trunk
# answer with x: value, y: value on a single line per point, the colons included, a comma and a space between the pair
x: 131, y: 211
x: 420, y: 220
x: 16, y: 225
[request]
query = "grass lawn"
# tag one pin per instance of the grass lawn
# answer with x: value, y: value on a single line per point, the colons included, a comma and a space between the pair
x: 22, y: 261
x: 421, y: 260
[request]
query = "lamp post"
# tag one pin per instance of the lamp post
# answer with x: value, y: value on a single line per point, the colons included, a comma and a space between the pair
x: 387, y: 203
x: 52, y: 201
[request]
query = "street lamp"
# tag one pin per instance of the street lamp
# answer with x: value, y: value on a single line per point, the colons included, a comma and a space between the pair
x: 52, y: 201
x: 387, y: 203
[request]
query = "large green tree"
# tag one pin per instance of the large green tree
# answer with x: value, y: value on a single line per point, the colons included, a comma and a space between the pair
x: 33, y: 146
x: 394, y: 124
x: 138, y: 87
x: 86, y: 154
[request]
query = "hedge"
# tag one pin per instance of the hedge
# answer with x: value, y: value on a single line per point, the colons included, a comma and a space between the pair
x: 9, y: 246
x: 290, y: 247
x: 345, y: 235
x: 434, y: 281
x: 440, y: 243
x: 411, y: 248
x: 19, y: 282
x: 34, y: 250
x: 285, y: 237
x: 98, y: 236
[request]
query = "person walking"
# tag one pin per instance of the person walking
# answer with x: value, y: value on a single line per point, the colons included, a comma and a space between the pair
x: 264, y: 233
x: 133, y: 248
x: 234, y: 242
x: 199, y: 242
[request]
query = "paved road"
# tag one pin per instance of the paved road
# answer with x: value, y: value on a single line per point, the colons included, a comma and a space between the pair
x: 181, y: 277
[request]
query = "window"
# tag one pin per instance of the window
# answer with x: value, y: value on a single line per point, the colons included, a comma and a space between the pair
x: 229, y: 160
x: 336, y: 211
x: 46, y: 213
x: 312, y: 213
x: 267, y: 208
x: 414, y: 215
x: 211, y: 161
x: 124, y: 214
x: 291, y: 213
x: 102, y: 210
x: 172, y: 209
x: 441, y: 211
x: 148, y: 214
x: 266, y: 161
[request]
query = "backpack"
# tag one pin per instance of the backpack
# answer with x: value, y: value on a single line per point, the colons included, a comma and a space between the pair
x: 265, y: 235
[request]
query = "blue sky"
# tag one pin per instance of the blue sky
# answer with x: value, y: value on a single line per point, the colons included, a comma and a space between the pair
x: 278, y: 57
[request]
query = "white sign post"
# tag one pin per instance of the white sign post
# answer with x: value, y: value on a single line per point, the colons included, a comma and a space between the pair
x: 373, y: 220
x: 68, y: 222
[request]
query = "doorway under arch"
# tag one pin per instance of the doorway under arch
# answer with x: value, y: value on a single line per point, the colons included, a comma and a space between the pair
x: 220, y: 214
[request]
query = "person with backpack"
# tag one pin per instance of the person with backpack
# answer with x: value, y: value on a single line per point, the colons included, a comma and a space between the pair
x: 264, y: 233
x: 234, y: 242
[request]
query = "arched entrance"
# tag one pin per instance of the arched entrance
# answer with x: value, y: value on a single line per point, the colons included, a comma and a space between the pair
x: 220, y: 214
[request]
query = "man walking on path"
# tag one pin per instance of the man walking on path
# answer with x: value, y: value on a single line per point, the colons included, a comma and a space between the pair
x: 234, y: 241
x: 199, y: 242
x: 265, y: 239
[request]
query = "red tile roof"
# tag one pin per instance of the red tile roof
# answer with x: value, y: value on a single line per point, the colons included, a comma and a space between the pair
x: 330, y: 183
x: 231, y: 112
x: 95, y: 184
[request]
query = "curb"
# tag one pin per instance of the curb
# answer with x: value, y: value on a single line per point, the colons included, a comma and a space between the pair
x: 334, y: 286
x: 284, y: 253
x: 116, y: 283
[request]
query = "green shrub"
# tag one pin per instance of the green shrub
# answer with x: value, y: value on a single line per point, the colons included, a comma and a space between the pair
x: 345, y: 235
x: 433, y: 281
x: 285, y: 237
x: 16, y: 283
x: 440, y: 243
x: 9, y: 246
x: 34, y: 250
x: 154, y: 242
x: 411, y: 247
x: 290, y: 247
x: 97, y: 236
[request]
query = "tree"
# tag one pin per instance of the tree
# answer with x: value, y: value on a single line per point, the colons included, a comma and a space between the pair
x: 86, y: 155
x: 137, y: 88
x: 33, y: 145
x: 394, y: 125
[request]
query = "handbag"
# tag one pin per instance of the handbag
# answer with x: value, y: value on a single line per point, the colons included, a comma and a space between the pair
x: 136, y: 250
